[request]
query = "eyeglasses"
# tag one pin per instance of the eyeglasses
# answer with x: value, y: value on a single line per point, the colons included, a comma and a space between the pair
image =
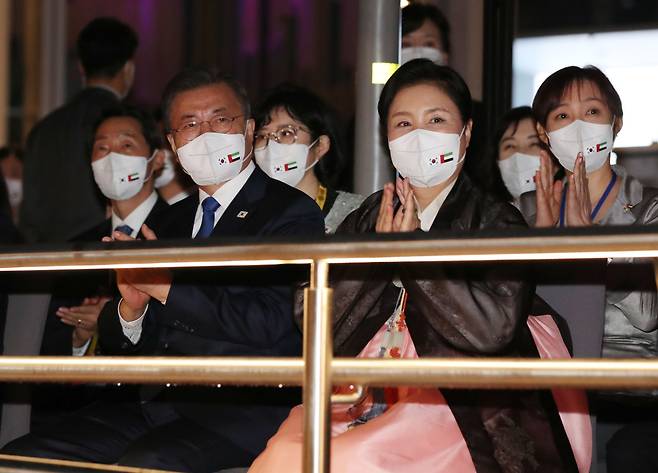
x: 192, y: 128
x: 286, y: 135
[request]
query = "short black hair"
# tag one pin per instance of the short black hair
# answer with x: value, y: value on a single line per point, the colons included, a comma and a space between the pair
x: 309, y: 109
x: 104, y: 47
x: 424, y: 71
x: 194, y: 78
x: 415, y: 14
x: 550, y: 93
x: 488, y: 175
x: 149, y: 128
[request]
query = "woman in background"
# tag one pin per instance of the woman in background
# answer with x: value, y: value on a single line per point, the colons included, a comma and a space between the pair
x: 296, y: 142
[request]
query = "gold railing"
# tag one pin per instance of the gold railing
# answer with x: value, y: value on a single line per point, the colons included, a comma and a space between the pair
x: 318, y: 371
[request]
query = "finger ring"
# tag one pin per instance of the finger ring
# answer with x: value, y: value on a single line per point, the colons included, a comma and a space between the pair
x: 79, y: 321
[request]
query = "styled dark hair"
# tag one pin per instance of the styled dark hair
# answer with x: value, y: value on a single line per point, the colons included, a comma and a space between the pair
x: 104, y: 47
x: 309, y: 109
x: 424, y: 71
x: 146, y: 121
x: 194, y: 78
x: 550, y: 93
x: 415, y: 14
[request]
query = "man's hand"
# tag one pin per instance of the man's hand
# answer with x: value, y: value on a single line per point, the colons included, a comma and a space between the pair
x: 137, y: 286
x: 83, y: 318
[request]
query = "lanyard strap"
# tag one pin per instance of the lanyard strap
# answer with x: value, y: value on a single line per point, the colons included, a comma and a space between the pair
x: 321, y: 198
x: 599, y: 204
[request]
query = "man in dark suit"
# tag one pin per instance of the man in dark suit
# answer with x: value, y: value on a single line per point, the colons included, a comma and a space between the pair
x: 61, y: 199
x: 199, y: 313
x: 125, y: 155
x: 125, y: 142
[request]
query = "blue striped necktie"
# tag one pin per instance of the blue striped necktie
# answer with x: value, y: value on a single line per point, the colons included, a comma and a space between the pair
x: 209, y: 206
x: 127, y: 229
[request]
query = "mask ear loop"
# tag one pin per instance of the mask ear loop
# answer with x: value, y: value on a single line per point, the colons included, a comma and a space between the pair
x: 309, y: 149
x: 463, y: 156
x: 148, y: 160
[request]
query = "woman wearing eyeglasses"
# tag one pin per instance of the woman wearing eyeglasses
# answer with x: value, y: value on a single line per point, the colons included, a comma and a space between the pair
x: 296, y: 142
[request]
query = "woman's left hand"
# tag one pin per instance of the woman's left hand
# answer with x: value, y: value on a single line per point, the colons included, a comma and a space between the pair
x: 406, y: 218
x: 579, y: 206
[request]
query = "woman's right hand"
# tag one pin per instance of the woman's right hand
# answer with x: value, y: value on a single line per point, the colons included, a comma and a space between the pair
x: 549, y: 193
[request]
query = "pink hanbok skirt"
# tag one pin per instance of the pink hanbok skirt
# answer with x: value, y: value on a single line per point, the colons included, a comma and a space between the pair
x: 418, y: 433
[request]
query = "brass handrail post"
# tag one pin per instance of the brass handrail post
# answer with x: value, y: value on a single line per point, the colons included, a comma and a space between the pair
x: 318, y: 353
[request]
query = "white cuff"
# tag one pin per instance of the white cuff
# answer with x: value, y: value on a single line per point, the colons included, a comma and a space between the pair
x: 80, y: 351
x: 132, y: 329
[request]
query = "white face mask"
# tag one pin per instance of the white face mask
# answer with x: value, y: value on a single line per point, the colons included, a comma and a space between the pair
x: 422, y: 52
x: 213, y: 158
x: 426, y: 157
x: 14, y: 190
x: 120, y: 176
x: 168, y: 170
x: 592, y: 139
x: 518, y: 172
x: 286, y: 163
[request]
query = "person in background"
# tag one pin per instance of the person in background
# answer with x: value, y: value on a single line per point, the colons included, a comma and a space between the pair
x: 171, y: 182
x: 63, y: 199
x: 579, y: 115
x: 11, y: 165
x: 125, y: 156
x: 411, y: 310
x: 296, y: 142
x: 513, y: 160
x: 425, y: 34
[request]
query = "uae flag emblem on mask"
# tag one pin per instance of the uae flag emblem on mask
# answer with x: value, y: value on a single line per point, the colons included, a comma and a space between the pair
x: 441, y: 159
x: 286, y: 167
x: 597, y: 147
x: 131, y: 177
x: 230, y: 158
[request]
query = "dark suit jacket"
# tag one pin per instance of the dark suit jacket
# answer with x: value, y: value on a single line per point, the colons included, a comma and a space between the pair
x: 220, y: 311
x: 72, y: 287
x: 61, y: 198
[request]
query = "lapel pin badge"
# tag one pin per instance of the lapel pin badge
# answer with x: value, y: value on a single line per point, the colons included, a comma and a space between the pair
x: 242, y: 214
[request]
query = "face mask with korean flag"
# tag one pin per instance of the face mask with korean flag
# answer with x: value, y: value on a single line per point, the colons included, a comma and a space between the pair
x: 213, y: 158
x: 426, y: 157
x: 121, y: 176
x: 284, y: 162
x: 594, y: 140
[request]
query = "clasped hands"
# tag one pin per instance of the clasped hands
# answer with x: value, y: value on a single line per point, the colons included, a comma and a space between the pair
x: 578, y: 211
x: 405, y: 219
x: 138, y: 286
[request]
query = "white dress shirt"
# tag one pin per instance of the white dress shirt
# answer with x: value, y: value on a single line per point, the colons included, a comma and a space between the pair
x: 224, y: 195
x: 137, y: 217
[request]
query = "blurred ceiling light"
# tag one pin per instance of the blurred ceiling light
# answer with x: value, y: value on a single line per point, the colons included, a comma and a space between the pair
x: 381, y: 71
x: 404, y: 3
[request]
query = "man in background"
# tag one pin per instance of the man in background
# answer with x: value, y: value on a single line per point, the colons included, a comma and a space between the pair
x: 62, y: 198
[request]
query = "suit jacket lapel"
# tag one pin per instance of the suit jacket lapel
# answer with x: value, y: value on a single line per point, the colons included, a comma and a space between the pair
x: 243, y: 208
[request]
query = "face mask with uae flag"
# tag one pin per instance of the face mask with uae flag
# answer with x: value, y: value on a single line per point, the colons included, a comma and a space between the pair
x: 594, y: 140
x: 120, y: 176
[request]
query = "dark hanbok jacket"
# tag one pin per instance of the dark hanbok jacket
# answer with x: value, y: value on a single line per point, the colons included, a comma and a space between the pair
x: 460, y: 310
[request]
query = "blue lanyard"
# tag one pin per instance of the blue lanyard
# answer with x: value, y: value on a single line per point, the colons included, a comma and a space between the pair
x: 599, y: 204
